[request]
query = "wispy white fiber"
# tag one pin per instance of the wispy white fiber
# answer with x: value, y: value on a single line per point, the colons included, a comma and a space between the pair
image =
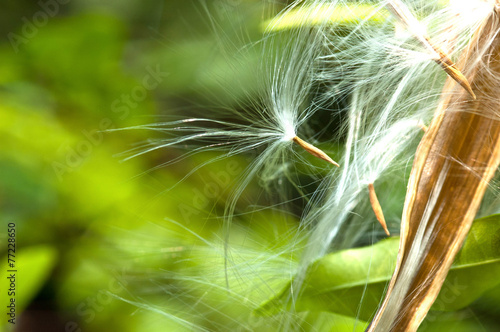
x: 384, y: 70
x: 275, y: 114
x: 393, y: 87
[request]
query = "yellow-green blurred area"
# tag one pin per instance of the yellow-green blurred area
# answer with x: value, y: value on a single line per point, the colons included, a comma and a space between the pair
x: 104, y: 244
x: 93, y: 232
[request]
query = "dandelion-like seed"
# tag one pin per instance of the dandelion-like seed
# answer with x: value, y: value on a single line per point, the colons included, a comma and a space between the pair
x: 391, y: 95
x: 277, y: 112
x: 314, y: 150
x: 390, y: 100
x: 400, y: 10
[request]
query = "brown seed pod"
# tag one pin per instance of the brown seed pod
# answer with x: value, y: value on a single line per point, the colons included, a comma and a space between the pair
x: 454, y: 163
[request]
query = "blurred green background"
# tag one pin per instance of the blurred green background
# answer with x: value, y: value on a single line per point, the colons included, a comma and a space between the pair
x: 89, y: 227
x: 106, y: 245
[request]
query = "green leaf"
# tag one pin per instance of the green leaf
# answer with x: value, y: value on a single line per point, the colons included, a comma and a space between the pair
x: 352, y: 282
x: 337, y: 282
x: 349, y: 15
x: 476, y: 267
x: 33, y: 266
x: 323, y: 321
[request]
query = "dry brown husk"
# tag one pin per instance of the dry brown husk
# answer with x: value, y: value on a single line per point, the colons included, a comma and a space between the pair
x: 456, y: 159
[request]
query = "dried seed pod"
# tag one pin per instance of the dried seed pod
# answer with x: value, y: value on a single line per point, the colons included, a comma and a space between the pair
x: 454, y: 163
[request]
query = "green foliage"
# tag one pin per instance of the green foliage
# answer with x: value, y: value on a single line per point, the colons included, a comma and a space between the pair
x: 340, y: 281
x: 39, y: 261
x: 95, y: 248
x: 476, y: 267
x: 347, y: 16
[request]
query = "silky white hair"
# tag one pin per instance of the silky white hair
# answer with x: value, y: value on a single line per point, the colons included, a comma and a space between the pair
x: 393, y: 86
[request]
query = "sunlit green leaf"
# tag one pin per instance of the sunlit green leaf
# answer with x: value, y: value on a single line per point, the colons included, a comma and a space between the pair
x: 343, y: 15
x: 21, y: 282
x: 476, y: 267
x: 352, y: 282
x: 339, y: 281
